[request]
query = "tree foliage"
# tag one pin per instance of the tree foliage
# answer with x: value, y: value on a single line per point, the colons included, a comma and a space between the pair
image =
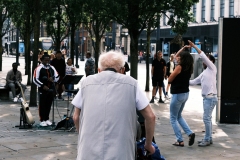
x: 96, y: 22
x: 135, y: 14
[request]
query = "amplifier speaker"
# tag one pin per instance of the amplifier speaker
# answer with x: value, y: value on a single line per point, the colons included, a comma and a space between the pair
x: 229, y: 70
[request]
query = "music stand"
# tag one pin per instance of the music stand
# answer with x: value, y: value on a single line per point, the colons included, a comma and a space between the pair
x: 68, y: 121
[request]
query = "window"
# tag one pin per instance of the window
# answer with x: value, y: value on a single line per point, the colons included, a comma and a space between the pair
x: 231, y: 8
x: 222, y: 8
x: 212, y: 10
x: 203, y: 11
x: 194, y: 11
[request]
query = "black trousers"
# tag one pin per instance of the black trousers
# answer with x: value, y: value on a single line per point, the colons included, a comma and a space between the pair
x: 45, y: 103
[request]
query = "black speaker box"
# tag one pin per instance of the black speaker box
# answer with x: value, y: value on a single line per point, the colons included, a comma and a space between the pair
x: 230, y: 111
x: 229, y: 70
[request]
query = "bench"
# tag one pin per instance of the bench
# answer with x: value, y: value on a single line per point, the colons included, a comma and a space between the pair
x: 4, y: 93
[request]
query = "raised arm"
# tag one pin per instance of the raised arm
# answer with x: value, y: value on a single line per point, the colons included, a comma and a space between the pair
x: 205, y: 59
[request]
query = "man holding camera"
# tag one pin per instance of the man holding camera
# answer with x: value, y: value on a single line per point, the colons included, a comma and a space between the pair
x: 13, y: 76
x: 44, y: 77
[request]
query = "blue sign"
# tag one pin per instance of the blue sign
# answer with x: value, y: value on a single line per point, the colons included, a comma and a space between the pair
x: 21, y: 48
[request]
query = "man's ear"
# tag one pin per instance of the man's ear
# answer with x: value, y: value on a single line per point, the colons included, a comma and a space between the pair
x: 99, y: 70
x: 122, y: 70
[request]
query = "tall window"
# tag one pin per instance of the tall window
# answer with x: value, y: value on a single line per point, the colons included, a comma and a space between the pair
x: 212, y: 10
x: 194, y: 11
x: 203, y: 10
x: 222, y: 8
x: 231, y: 8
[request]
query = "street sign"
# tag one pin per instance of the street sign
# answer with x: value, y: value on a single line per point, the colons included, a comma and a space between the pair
x: 8, y: 43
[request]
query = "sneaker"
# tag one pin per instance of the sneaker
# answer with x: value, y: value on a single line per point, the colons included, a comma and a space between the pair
x: 160, y: 101
x: 167, y: 97
x: 15, y: 99
x: 211, y: 142
x: 43, y: 124
x: 152, y: 101
x: 20, y: 99
x: 48, y: 123
x: 204, y: 143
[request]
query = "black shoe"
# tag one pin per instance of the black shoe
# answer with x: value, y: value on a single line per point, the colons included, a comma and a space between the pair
x: 60, y: 98
x: 191, y: 139
x: 152, y: 101
x: 160, y: 101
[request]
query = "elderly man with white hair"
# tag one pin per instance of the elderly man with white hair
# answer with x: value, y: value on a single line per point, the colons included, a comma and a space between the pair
x: 105, y: 112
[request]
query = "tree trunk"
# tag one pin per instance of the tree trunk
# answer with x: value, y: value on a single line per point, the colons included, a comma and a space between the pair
x: 1, y: 25
x: 97, y: 49
x: 73, y: 28
x: 147, y: 58
x: 27, y: 51
x: 1, y: 48
x: 37, y: 9
x: 134, y: 52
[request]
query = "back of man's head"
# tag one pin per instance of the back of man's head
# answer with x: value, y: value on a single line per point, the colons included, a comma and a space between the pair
x: 211, y: 58
x: 111, y: 59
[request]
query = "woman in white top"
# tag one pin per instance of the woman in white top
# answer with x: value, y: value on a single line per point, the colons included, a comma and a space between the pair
x: 70, y: 70
x: 170, y: 68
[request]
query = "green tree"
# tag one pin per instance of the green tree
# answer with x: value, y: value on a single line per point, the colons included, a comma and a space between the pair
x: 56, y: 21
x: 4, y: 24
x: 96, y: 23
x: 135, y: 14
x: 74, y: 12
x: 22, y: 17
x: 37, y: 15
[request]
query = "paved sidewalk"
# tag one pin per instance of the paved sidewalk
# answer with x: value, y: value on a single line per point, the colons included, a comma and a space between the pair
x: 45, y: 144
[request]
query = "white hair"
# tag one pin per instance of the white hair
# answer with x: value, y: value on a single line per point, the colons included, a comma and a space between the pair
x: 111, y: 59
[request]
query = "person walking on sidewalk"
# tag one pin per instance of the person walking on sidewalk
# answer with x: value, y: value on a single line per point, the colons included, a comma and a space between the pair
x: 110, y: 119
x: 89, y: 65
x: 158, y: 73
x: 44, y: 77
x: 207, y: 79
x: 179, y: 80
x: 13, y: 76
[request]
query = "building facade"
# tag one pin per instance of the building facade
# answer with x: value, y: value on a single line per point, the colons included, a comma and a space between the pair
x: 203, y: 31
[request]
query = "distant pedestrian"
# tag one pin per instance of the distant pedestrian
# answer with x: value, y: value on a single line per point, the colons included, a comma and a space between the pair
x: 59, y: 64
x: 207, y: 79
x: 158, y: 73
x: 179, y: 81
x: 70, y: 70
x: 170, y: 68
x: 89, y: 65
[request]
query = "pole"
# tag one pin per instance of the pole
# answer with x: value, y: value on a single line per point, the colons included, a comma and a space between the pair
x: 76, y: 47
x: 113, y: 35
x: 158, y: 34
x: 17, y: 47
x: 82, y: 42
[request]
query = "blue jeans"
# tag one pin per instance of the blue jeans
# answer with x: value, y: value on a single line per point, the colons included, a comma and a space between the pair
x: 69, y: 87
x: 176, y: 107
x: 208, y: 105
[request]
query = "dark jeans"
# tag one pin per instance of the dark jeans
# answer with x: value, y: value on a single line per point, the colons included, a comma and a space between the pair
x: 45, y: 103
